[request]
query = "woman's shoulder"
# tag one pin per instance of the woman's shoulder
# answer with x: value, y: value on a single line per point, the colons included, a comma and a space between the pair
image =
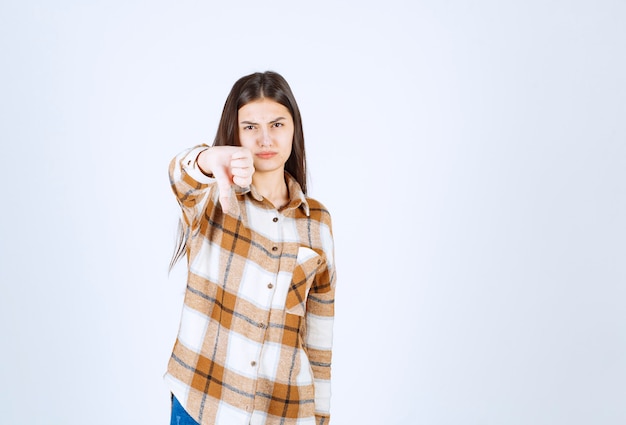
x: 317, y: 210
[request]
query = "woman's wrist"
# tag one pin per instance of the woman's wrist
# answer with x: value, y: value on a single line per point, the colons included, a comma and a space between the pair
x: 202, y: 163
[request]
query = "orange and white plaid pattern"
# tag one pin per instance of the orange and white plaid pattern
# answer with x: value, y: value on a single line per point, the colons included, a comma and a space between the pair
x: 255, y: 337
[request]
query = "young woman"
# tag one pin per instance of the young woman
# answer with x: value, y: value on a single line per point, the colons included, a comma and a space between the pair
x: 255, y: 337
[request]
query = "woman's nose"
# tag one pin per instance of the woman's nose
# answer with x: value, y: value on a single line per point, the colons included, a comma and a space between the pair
x: 265, y: 139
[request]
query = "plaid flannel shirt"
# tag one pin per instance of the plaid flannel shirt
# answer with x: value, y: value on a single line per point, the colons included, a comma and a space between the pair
x: 255, y: 337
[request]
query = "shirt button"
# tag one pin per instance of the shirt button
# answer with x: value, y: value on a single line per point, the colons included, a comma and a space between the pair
x: 275, y: 219
x: 252, y: 363
x: 274, y: 248
x: 261, y: 325
x: 270, y: 286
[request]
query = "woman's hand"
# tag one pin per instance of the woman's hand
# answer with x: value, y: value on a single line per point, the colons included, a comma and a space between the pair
x: 229, y: 165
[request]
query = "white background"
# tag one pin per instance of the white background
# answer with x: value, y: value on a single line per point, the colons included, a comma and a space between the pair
x: 473, y: 155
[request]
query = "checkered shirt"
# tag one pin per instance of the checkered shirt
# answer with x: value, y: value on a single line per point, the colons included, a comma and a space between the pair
x: 255, y: 337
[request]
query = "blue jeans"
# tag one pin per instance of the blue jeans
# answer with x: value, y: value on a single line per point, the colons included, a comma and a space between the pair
x: 179, y: 415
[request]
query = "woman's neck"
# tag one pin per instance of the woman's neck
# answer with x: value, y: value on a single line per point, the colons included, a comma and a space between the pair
x: 272, y: 186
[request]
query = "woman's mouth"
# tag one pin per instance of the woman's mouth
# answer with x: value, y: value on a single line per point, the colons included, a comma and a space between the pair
x: 265, y: 155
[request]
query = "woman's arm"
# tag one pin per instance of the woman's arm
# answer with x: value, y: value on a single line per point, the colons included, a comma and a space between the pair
x: 319, y: 338
x: 190, y: 186
x: 320, y: 312
x: 195, y: 171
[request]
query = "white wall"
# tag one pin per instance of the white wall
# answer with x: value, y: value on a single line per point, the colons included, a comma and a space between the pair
x: 473, y: 155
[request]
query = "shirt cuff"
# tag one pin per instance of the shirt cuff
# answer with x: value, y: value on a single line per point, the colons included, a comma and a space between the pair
x: 190, y: 165
x: 322, y: 419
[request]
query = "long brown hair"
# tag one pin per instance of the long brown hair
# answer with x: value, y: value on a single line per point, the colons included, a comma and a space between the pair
x: 260, y: 85
x: 264, y: 85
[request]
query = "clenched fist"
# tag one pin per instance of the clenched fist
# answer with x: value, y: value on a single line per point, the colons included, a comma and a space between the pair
x: 229, y: 165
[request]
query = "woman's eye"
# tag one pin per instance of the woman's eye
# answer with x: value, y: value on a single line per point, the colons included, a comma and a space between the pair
x: 278, y: 124
x: 248, y: 127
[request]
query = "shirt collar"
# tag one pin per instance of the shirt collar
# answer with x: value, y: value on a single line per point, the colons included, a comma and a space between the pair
x: 297, y: 198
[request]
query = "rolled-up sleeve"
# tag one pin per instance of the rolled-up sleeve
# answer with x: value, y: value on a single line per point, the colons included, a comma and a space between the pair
x: 190, y: 185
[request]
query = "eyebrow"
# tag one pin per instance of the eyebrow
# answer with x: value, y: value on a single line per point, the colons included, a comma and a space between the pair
x: 271, y: 122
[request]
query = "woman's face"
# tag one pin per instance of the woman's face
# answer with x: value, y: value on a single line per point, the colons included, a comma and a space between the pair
x: 266, y: 129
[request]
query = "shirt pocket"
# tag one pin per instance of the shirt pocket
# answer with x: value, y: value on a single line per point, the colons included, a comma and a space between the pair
x: 307, y: 264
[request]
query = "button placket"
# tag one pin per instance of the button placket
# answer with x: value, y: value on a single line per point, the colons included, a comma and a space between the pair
x: 275, y: 220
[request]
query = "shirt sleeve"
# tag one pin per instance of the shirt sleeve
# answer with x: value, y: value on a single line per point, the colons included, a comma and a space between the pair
x: 190, y: 185
x: 319, y: 324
